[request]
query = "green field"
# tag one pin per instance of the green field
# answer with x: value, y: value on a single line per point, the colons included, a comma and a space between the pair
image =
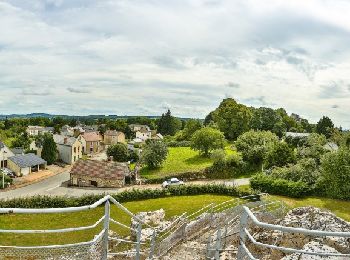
x: 339, y: 207
x: 180, y: 159
x: 172, y: 205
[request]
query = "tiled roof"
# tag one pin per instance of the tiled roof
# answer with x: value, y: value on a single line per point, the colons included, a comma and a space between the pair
x: 64, y: 140
x: 113, y: 132
x: 26, y: 160
x: 100, y: 169
x: 91, y: 137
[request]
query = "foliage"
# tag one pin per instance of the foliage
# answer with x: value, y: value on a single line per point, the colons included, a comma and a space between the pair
x: 335, y: 174
x: 272, y: 185
x: 313, y: 147
x: 22, y: 141
x: 232, y: 118
x: 178, y: 143
x: 192, y: 125
x: 49, y: 152
x: 305, y: 170
x: 124, y: 196
x: 206, y: 140
x: 279, y: 155
x: 119, y: 152
x: 254, y: 145
x: 168, y: 125
x: 325, y: 126
x: 154, y: 153
x: 133, y: 156
x: 7, y: 180
x: 267, y: 119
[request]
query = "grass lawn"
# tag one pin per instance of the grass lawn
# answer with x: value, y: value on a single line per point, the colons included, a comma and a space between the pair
x: 180, y: 159
x: 173, y: 206
x: 339, y: 207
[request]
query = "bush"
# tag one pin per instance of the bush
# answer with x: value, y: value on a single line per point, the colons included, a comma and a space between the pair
x: 206, y: 140
x: 178, y: 143
x: 335, y: 174
x: 284, y: 187
x: 119, y: 152
x: 125, y: 196
x: 306, y: 170
x: 7, y: 180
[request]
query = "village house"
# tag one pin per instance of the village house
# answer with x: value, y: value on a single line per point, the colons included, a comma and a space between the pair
x: 112, y: 137
x: 143, y: 134
x: 5, y: 153
x: 70, y: 149
x: 36, y: 130
x: 87, y: 173
x: 25, y: 164
x: 36, y: 147
x: 91, y: 142
x: 136, y: 127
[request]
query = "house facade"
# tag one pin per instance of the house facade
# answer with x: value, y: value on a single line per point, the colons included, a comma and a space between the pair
x: 70, y: 149
x: 25, y: 164
x: 112, y: 137
x: 90, y: 173
x: 92, y: 142
x: 34, y: 130
x: 5, y: 153
x: 144, y: 134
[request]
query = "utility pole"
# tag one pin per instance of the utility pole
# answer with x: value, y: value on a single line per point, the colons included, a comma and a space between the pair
x: 3, y: 164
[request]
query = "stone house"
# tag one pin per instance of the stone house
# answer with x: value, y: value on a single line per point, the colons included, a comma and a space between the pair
x: 25, y: 164
x: 112, y: 137
x: 5, y: 153
x: 70, y: 149
x: 91, y: 142
x: 90, y: 173
x: 36, y: 130
x: 137, y: 127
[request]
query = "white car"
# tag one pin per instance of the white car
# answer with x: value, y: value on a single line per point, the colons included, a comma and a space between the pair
x: 172, y: 182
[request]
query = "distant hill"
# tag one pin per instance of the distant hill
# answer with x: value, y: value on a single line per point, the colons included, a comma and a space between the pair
x: 45, y: 115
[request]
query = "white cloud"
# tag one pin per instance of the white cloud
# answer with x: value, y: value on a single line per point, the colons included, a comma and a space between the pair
x: 140, y: 57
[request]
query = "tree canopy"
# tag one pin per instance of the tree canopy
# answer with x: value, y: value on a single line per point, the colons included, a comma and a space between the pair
x: 325, y: 126
x: 154, y: 153
x: 49, y: 152
x: 119, y: 152
x: 207, y: 139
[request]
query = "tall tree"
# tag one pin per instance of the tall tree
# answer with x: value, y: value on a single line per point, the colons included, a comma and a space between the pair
x: 49, y: 152
x: 119, y: 152
x: 206, y: 140
x: 325, y: 126
x: 232, y: 118
x: 168, y: 125
x: 154, y: 153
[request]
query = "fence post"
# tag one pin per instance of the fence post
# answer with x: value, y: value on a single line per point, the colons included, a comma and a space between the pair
x: 106, y: 228
x: 208, y: 248
x: 138, y: 241
x: 218, y: 244
x: 242, y: 234
x: 153, y: 243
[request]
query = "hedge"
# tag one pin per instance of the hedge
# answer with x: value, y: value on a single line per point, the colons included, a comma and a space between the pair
x: 132, y: 195
x: 269, y: 184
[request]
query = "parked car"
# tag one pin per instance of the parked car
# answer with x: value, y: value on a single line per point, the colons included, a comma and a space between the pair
x: 172, y: 182
x: 9, y: 173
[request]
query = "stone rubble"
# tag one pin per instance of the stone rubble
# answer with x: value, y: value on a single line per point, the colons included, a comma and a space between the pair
x: 308, y: 218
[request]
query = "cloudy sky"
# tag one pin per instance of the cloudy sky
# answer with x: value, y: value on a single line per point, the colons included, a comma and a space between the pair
x: 130, y: 57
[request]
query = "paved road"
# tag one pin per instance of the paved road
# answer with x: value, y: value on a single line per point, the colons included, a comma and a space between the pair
x: 52, y: 186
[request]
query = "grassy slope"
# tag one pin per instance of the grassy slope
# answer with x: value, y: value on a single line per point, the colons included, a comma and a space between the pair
x: 173, y: 206
x: 180, y: 159
x: 339, y: 207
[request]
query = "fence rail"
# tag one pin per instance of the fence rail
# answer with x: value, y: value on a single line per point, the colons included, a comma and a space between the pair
x: 245, y: 237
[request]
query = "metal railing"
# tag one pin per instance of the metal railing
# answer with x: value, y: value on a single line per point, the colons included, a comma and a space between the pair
x: 245, y: 237
x: 97, y: 248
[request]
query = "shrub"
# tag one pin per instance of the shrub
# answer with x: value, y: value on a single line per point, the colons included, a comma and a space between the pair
x: 119, y: 152
x: 7, y: 180
x: 335, y: 174
x: 154, y: 153
x: 306, y: 170
x: 284, y: 187
x: 131, y: 195
x: 279, y: 155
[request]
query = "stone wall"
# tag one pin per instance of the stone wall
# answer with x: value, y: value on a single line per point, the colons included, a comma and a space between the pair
x: 87, y: 181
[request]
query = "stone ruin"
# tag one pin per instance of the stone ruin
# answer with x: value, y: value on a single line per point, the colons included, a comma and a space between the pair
x: 308, y: 218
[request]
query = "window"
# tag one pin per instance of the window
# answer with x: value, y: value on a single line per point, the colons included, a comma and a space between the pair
x: 75, y: 149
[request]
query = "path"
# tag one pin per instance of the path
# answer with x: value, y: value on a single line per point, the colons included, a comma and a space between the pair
x: 52, y: 186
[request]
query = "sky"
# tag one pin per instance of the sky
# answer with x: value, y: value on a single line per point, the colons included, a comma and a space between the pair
x: 141, y: 57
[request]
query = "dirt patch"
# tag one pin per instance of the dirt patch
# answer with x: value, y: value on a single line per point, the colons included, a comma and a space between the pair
x: 51, y: 170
